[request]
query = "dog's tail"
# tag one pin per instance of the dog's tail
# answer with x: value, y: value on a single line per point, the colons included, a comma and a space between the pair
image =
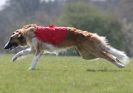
x: 120, y: 55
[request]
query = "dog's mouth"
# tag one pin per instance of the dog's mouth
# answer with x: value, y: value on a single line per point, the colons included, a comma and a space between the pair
x: 10, y: 46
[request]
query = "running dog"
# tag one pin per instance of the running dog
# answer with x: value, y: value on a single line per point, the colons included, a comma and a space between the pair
x: 51, y: 38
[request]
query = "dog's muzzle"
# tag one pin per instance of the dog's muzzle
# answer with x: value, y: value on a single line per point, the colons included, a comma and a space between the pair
x: 8, y: 46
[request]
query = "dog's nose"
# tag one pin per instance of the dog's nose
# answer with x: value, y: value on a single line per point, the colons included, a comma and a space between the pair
x: 7, y: 45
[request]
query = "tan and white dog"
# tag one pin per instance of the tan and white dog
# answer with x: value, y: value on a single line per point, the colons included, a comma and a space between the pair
x: 89, y: 45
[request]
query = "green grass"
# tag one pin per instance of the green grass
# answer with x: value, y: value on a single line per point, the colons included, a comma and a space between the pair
x: 64, y: 75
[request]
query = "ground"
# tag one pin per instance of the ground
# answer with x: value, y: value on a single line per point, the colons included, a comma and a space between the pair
x: 56, y: 74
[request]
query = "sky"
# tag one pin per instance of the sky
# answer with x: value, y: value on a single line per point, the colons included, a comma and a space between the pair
x: 98, y: 0
x: 2, y: 2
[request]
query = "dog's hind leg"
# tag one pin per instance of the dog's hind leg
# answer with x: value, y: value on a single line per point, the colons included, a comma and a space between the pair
x: 21, y: 53
x: 85, y: 54
x: 112, y: 59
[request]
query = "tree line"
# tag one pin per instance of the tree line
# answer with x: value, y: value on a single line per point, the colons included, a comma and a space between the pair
x: 111, y: 18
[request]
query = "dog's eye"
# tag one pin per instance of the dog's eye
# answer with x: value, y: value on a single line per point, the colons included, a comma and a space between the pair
x: 20, y: 37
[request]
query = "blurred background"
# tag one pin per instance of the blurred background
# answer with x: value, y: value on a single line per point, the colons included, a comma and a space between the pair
x: 110, y: 18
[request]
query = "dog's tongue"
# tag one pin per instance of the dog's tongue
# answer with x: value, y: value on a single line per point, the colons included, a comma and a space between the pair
x: 51, y: 34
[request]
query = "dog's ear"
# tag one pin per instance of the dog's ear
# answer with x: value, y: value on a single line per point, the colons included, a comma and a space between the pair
x: 19, y: 35
x: 30, y: 28
x: 21, y: 38
x: 29, y: 25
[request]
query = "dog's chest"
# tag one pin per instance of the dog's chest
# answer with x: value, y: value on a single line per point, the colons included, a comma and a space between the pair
x: 51, y: 35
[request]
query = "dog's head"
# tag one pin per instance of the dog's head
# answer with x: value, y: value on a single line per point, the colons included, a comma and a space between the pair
x: 16, y: 39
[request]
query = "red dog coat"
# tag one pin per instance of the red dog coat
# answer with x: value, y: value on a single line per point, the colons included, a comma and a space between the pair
x: 51, y: 34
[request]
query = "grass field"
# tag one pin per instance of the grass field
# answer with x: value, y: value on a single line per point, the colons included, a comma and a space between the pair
x: 64, y: 75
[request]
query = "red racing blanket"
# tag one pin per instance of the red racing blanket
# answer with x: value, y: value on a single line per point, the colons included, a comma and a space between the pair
x: 51, y: 34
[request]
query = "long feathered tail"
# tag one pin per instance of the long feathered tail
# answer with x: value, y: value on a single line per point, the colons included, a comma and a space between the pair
x: 120, y: 55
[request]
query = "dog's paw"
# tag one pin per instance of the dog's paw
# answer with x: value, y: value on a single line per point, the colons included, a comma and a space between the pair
x: 14, y: 58
x: 31, y: 68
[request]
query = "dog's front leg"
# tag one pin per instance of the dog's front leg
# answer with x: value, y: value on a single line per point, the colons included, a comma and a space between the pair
x: 35, y: 60
x: 21, y: 53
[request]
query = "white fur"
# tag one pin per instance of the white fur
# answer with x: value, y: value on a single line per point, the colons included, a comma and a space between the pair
x: 54, y: 52
x: 120, y: 55
x: 37, y: 54
x: 34, y: 62
x: 51, y: 49
x: 103, y: 39
x: 21, y: 53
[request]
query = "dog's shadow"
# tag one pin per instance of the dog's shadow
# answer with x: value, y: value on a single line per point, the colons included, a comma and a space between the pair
x: 108, y: 70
